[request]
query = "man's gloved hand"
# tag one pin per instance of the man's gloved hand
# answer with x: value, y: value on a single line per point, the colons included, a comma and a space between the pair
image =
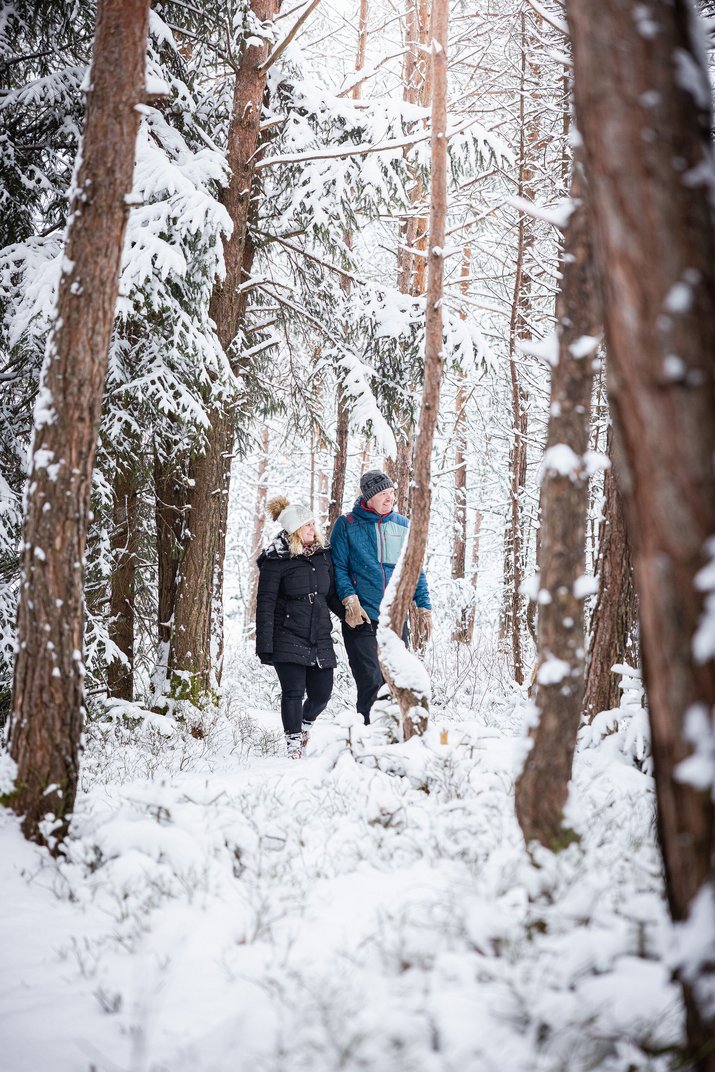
x: 354, y: 614
x: 266, y: 658
x: 424, y: 617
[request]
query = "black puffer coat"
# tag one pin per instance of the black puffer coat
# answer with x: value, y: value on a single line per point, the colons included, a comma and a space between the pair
x: 293, y: 622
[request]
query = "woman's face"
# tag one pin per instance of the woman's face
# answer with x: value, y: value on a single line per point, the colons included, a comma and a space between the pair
x: 307, y: 533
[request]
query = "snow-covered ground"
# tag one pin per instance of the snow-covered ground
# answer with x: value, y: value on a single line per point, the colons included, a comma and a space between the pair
x: 372, y: 906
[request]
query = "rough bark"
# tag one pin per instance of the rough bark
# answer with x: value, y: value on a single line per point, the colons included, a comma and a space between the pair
x: 120, y: 673
x: 337, y: 486
x: 613, y: 622
x: 47, y: 704
x: 643, y: 110
x: 199, y: 612
x: 192, y: 672
x: 414, y: 704
x: 169, y: 510
x: 412, y: 246
x: 403, y: 474
x: 513, y: 604
x: 542, y: 787
x: 342, y: 424
x: 259, y: 527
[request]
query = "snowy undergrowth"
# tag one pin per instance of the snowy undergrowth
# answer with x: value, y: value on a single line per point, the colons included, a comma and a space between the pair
x: 371, y: 907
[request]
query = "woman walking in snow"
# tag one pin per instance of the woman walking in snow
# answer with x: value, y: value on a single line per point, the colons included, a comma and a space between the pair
x: 293, y: 625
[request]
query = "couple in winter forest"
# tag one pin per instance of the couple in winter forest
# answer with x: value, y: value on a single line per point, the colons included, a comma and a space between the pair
x: 302, y: 579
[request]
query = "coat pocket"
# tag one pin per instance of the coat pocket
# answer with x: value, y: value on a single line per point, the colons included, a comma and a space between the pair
x: 297, y: 623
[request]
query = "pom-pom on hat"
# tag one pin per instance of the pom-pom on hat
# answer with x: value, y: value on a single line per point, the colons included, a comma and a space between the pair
x: 291, y: 516
x: 373, y: 482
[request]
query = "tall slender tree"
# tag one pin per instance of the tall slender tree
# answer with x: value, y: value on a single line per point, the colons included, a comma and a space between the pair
x: 120, y: 672
x: 200, y: 589
x: 542, y: 787
x: 643, y: 107
x: 614, y: 617
x: 342, y: 423
x: 413, y: 700
x: 48, y: 702
x: 513, y: 602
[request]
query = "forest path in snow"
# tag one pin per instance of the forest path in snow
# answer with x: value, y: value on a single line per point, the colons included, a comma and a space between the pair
x: 222, y: 908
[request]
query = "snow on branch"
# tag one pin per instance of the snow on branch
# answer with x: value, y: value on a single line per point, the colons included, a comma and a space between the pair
x: 556, y: 23
x: 365, y: 408
x: 558, y: 214
x: 360, y: 150
x: 546, y: 349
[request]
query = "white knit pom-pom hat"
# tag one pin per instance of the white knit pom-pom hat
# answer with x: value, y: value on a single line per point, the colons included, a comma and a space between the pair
x: 294, y: 517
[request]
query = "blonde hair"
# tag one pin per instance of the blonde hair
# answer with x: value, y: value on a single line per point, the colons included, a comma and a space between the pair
x: 297, y: 547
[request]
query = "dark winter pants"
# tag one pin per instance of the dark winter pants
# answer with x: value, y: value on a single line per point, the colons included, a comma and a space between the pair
x: 361, y: 646
x: 296, y: 681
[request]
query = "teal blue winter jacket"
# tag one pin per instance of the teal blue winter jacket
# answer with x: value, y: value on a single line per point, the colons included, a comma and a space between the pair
x: 366, y: 546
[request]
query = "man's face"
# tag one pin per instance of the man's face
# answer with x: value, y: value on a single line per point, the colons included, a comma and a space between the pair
x: 383, y: 502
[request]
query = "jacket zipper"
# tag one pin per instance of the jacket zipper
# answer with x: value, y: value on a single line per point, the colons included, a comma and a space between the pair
x: 382, y: 566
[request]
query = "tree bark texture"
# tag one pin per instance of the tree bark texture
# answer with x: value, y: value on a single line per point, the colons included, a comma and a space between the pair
x: 412, y: 253
x: 170, y: 508
x: 120, y: 674
x: 614, y: 618
x: 542, y: 787
x: 414, y: 705
x: 643, y: 110
x: 259, y: 527
x: 513, y: 603
x: 342, y: 423
x: 337, y: 485
x: 47, y: 705
x: 199, y: 612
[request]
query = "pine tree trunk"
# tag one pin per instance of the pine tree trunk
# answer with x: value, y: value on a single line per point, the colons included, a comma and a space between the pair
x: 197, y: 640
x: 342, y: 423
x: 613, y: 622
x: 337, y: 486
x: 259, y: 527
x: 193, y: 675
x: 120, y: 674
x: 414, y: 703
x: 403, y: 474
x: 170, y: 507
x: 646, y: 129
x: 512, y: 615
x: 542, y: 787
x: 47, y: 704
x: 169, y: 510
x: 412, y: 246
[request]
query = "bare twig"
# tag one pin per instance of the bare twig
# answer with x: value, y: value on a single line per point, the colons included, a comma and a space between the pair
x: 280, y: 49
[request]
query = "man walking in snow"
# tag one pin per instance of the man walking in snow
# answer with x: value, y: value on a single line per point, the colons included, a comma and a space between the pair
x: 366, y: 545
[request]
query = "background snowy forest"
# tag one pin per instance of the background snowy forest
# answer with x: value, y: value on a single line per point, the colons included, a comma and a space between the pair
x: 530, y: 882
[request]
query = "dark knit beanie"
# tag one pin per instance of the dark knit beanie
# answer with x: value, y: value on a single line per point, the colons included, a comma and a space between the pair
x: 373, y: 482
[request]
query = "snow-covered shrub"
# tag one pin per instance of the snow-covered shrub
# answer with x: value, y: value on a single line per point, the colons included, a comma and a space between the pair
x: 627, y: 725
